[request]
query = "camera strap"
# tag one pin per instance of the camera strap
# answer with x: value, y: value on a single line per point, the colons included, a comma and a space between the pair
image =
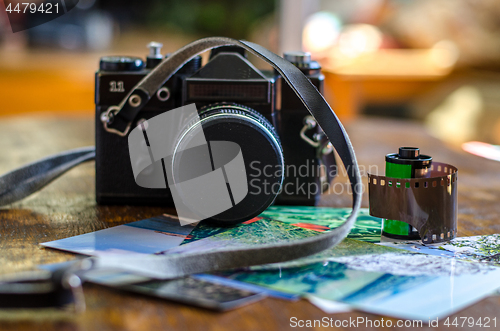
x: 30, y: 178
x: 118, y: 119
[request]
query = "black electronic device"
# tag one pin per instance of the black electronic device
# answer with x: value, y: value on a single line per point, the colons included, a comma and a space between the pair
x: 287, y: 145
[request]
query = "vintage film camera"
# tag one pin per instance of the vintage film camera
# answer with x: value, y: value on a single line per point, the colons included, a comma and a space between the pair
x: 228, y: 83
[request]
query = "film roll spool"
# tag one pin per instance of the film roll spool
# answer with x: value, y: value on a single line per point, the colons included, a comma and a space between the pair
x: 407, y: 163
x: 429, y: 204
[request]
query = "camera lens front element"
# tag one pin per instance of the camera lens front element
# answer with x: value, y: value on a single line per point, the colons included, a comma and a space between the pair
x: 240, y: 137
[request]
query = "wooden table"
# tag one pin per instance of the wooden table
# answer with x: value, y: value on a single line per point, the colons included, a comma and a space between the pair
x: 67, y: 208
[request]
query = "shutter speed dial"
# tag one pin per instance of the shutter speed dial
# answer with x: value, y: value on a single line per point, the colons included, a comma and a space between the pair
x: 121, y: 63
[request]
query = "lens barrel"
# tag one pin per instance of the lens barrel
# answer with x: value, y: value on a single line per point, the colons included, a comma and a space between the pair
x: 263, y: 163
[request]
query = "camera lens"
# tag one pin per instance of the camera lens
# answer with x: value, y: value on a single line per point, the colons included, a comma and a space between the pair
x: 240, y: 132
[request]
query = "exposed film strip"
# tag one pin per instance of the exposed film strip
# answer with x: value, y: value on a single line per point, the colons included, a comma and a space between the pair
x: 429, y: 204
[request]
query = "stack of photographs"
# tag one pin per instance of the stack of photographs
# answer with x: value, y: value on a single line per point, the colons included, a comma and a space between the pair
x: 360, y: 273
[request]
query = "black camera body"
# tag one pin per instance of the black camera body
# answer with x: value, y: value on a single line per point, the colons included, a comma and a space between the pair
x: 227, y: 78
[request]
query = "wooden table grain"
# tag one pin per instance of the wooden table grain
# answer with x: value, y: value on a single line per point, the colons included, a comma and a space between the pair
x: 67, y: 208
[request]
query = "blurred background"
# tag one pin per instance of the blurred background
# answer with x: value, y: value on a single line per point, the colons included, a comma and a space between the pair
x: 433, y: 61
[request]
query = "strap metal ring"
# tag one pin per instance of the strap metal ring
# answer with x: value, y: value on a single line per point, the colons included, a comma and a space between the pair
x: 107, y: 118
x: 163, y: 90
x: 135, y: 100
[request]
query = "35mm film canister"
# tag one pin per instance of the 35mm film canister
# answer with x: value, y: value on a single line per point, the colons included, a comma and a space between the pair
x: 408, y: 163
x: 417, y: 193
